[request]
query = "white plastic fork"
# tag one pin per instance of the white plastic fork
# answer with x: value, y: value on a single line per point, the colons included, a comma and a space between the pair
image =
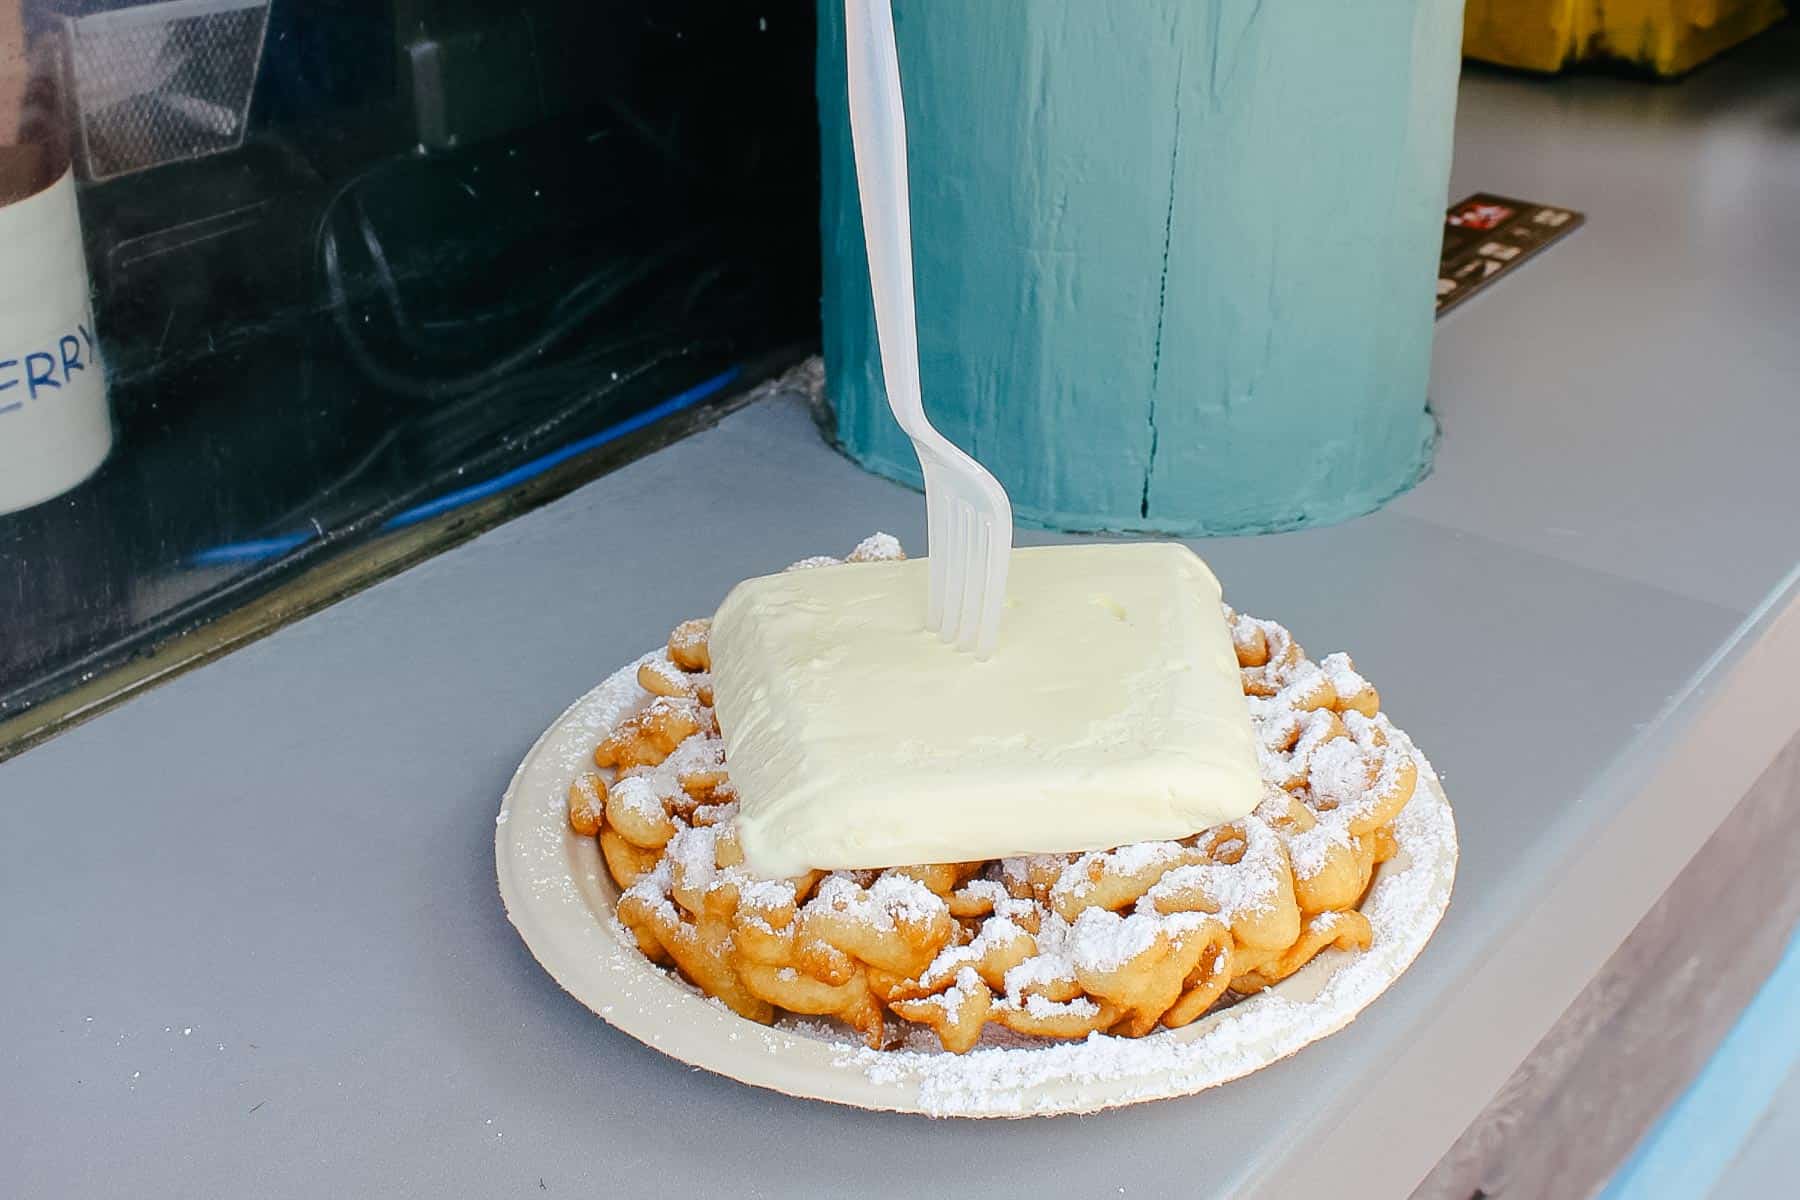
x: 967, y: 512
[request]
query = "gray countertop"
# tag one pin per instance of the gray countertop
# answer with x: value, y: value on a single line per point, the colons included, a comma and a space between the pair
x: 252, y: 942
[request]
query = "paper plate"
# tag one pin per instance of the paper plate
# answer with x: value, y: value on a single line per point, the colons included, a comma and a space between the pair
x: 561, y: 900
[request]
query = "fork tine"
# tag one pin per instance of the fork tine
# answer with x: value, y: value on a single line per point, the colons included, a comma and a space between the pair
x: 937, y: 547
x: 993, y: 593
x: 952, y: 568
x: 943, y: 560
x: 968, y: 625
x: 956, y: 569
x: 969, y: 600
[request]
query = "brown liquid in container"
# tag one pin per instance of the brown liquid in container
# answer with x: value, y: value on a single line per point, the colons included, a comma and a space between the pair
x: 33, y: 137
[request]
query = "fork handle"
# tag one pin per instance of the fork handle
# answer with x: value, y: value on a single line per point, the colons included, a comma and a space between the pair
x: 878, y: 132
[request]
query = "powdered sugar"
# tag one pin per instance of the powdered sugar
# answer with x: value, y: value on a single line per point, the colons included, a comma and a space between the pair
x: 653, y: 787
x: 1403, y: 907
x: 636, y: 795
x: 878, y: 547
x: 891, y: 898
x: 1078, y: 881
x: 1340, y: 771
x: 1344, y: 679
x: 766, y: 893
x: 1306, y: 684
x: 1003, y: 903
x: 1105, y: 941
x: 1311, y: 851
x: 1040, y: 971
x: 995, y: 932
x: 1240, y: 889
x: 1041, y: 1006
x: 671, y: 678
x: 952, y: 998
x: 653, y: 888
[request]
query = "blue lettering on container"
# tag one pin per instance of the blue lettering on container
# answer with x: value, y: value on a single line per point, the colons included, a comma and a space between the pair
x: 33, y: 380
x: 45, y: 370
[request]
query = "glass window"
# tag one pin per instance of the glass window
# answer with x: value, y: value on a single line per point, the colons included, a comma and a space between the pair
x: 357, y: 266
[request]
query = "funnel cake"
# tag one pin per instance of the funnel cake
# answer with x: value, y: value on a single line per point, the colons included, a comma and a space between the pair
x: 1122, y: 941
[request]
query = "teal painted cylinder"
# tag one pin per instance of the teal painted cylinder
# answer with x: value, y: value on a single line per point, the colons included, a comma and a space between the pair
x: 1175, y: 259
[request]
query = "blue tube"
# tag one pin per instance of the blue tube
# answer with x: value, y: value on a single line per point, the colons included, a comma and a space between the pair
x: 537, y: 466
x: 251, y: 551
x: 260, y: 549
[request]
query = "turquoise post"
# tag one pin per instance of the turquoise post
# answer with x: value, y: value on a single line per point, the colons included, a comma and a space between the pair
x: 1175, y: 259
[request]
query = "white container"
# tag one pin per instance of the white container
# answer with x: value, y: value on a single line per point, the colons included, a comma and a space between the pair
x: 55, y: 428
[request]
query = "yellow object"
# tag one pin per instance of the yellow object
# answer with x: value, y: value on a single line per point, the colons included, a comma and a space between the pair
x: 1666, y: 36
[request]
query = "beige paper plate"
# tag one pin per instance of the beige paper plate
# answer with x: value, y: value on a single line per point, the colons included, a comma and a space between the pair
x: 560, y: 898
